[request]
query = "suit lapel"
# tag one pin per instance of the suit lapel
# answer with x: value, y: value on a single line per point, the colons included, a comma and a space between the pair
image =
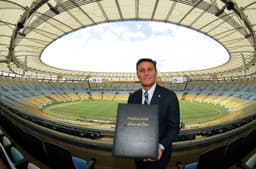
x: 156, y: 96
x: 139, y: 97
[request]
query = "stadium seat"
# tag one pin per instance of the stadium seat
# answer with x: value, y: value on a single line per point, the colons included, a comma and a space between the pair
x: 222, y: 157
x: 250, y: 141
x: 249, y: 164
x: 32, y: 166
x: 1, y: 134
x: 12, y: 157
x: 6, y: 143
x: 211, y: 159
x: 235, y: 151
x: 38, y: 148
x: 6, y: 157
x: 17, y: 158
x: 15, y: 155
x: 59, y: 157
x: 78, y: 163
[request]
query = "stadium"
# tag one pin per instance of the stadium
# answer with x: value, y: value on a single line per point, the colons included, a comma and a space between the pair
x: 43, y: 121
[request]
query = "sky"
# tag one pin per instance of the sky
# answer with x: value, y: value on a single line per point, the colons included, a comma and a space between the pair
x: 116, y: 47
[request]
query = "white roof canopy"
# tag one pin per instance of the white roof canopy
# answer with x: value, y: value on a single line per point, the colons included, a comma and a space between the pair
x: 27, y: 27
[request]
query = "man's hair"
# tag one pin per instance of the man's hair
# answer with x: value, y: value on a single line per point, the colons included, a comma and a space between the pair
x: 146, y: 60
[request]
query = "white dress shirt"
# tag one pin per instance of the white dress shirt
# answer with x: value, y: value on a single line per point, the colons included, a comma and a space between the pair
x: 150, y: 93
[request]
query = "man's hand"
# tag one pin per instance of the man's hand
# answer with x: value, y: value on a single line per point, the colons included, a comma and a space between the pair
x: 159, y: 155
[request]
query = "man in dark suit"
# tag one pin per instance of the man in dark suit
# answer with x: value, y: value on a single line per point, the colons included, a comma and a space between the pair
x: 169, y: 113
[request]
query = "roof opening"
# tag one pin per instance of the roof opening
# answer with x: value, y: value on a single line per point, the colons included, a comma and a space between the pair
x: 116, y: 46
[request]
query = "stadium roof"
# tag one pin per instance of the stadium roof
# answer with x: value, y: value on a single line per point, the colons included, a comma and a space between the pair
x: 27, y: 27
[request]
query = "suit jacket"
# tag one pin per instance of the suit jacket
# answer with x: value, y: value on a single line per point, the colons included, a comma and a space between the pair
x: 169, y: 112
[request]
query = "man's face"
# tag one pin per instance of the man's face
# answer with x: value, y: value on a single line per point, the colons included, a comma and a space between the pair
x: 147, y: 74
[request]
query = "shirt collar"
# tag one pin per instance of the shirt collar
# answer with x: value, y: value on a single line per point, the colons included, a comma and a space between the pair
x: 150, y: 93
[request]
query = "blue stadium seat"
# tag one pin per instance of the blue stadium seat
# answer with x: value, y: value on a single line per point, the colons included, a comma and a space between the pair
x: 79, y: 163
x: 211, y: 159
x: 60, y: 158
x: 16, y: 155
x: 12, y: 157
x: 17, y: 158
x: 6, y: 157
x: 191, y: 165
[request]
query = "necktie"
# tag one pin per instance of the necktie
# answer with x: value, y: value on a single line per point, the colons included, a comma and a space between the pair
x: 146, y: 98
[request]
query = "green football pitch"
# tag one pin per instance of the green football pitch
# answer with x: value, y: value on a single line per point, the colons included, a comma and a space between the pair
x: 191, y: 112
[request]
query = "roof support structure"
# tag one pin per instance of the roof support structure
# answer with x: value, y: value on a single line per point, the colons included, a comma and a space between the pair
x: 20, y: 25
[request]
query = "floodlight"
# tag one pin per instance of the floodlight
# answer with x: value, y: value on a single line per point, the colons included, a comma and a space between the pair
x: 228, y: 4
